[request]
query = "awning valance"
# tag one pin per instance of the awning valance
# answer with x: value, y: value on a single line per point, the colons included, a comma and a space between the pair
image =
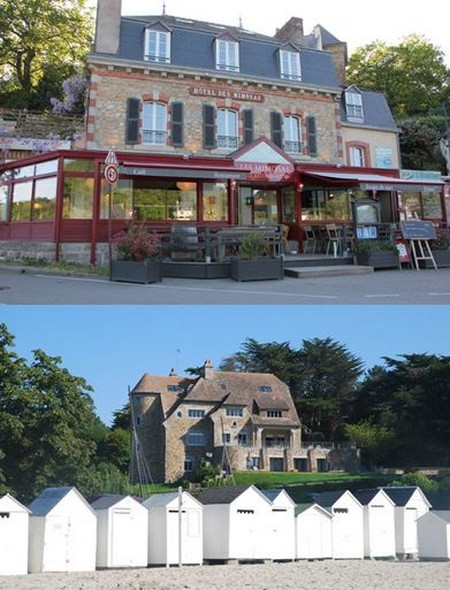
x: 377, y: 181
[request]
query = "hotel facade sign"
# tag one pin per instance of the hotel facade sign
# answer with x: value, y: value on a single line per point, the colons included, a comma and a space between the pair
x: 206, y: 91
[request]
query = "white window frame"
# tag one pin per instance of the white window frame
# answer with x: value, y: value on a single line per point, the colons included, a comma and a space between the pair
x: 227, y: 55
x: 226, y: 438
x: 292, y: 134
x: 157, y: 46
x: 188, y: 464
x: 243, y: 439
x: 235, y: 411
x: 227, y: 129
x: 154, y: 123
x: 274, y: 413
x: 354, y: 106
x: 357, y: 156
x: 290, y: 68
x: 196, y: 413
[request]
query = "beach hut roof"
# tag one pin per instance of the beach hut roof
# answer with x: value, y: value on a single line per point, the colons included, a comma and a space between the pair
x: 50, y: 497
x: 106, y: 501
x: 225, y: 494
x: 300, y: 508
x: 273, y: 494
x: 364, y: 497
x: 166, y: 498
x: 7, y: 500
x: 328, y: 499
x: 401, y: 495
x: 441, y: 514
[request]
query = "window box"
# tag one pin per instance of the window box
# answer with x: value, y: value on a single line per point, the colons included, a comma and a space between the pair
x: 132, y: 271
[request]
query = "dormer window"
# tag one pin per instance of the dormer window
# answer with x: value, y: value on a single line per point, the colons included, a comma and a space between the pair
x: 290, y: 65
x: 265, y: 388
x: 227, y: 55
x: 157, y: 46
x: 354, y: 106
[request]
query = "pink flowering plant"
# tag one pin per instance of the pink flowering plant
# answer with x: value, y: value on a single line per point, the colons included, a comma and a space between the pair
x: 137, y: 243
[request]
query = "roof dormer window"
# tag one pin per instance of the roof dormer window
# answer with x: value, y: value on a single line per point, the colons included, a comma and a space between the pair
x: 227, y: 55
x: 157, y: 46
x: 290, y: 65
x: 353, y: 105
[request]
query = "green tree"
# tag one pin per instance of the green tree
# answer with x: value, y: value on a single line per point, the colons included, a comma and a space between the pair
x: 374, y: 441
x: 41, y: 40
x: 412, y: 74
x: 50, y: 431
x: 419, y: 143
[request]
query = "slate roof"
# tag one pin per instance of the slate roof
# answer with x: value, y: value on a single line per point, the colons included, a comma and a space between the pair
x: 328, y: 499
x: 366, y: 496
x: 50, y: 497
x: 303, y: 507
x: 106, y: 501
x: 221, y: 495
x: 376, y: 111
x: 401, y: 495
x: 258, y: 53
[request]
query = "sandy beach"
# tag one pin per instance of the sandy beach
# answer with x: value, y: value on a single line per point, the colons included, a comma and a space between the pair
x: 318, y: 575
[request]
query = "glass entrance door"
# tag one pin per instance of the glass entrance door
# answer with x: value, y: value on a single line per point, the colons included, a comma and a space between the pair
x: 265, y: 207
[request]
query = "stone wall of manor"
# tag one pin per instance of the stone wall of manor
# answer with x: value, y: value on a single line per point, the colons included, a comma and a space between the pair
x: 111, y: 88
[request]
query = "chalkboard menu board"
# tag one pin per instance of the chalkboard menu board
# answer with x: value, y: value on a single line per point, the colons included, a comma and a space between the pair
x: 415, y: 229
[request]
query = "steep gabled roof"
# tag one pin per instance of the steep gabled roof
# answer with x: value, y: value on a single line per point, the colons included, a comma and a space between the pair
x: 366, y: 496
x: 171, y: 388
x: 50, y: 498
x: 225, y: 494
x: 401, y: 495
x: 328, y: 499
x: 107, y: 501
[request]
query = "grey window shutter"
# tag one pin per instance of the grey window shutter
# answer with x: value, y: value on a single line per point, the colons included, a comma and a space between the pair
x: 276, y: 126
x: 312, y: 136
x: 177, y: 124
x: 209, y: 127
x: 248, y: 126
x: 132, y: 122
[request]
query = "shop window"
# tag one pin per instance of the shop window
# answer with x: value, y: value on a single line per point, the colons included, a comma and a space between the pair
x: 157, y: 46
x: 292, y: 134
x: 71, y: 165
x: 432, y: 208
x: 215, y: 202
x: 121, y: 195
x: 4, y: 197
x: 227, y: 129
x: 290, y: 65
x: 21, y: 204
x: 44, y: 201
x: 154, y: 123
x: 324, y: 205
x: 227, y: 55
x: 78, y: 198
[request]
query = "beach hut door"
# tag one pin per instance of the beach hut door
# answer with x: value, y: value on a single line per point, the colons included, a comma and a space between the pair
x: 122, y: 538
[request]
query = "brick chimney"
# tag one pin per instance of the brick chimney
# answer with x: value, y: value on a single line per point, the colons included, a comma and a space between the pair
x: 208, y: 370
x: 292, y: 31
x: 107, y: 29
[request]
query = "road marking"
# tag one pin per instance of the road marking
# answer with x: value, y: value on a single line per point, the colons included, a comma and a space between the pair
x: 243, y: 292
x: 439, y: 294
x: 382, y: 295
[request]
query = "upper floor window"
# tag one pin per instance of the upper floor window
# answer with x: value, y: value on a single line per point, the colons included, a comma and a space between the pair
x: 354, y: 106
x: 227, y: 129
x: 265, y: 388
x: 292, y: 134
x: 154, y: 123
x: 357, y: 156
x: 234, y: 411
x: 290, y: 65
x: 196, y: 413
x: 227, y: 55
x: 274, y: 413
x: 157, y: 46
x: 196, y: 439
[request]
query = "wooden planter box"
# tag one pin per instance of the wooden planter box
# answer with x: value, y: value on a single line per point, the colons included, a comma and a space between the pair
x: 259, y: 269
x: 130, y: 271
x: 379, y: 259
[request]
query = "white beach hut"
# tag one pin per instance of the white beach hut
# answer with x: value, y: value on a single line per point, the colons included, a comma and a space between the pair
x: 63, y: 532
x: 282, y: 526
x: 236, y: 524
x: 14, y: 522
x: 410, y: 504
x: 347, y: 523
x: 433, y: 534
x: 379, y: 523
x: 313, y: 530
x: 175, y: 527
x: 122, y: 531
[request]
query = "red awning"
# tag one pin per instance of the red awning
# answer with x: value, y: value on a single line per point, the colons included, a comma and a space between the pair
x: 377, y: 181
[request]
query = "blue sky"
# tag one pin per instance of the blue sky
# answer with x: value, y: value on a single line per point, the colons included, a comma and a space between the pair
x: 113, y: 346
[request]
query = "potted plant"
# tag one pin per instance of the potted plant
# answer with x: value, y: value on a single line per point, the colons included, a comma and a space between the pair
x: 441, y: 247
x: 137, y: 257
x: 253, y: 262
x: 376, y: 253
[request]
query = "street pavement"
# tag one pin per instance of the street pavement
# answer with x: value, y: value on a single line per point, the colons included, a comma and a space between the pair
x: 24, y: 286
